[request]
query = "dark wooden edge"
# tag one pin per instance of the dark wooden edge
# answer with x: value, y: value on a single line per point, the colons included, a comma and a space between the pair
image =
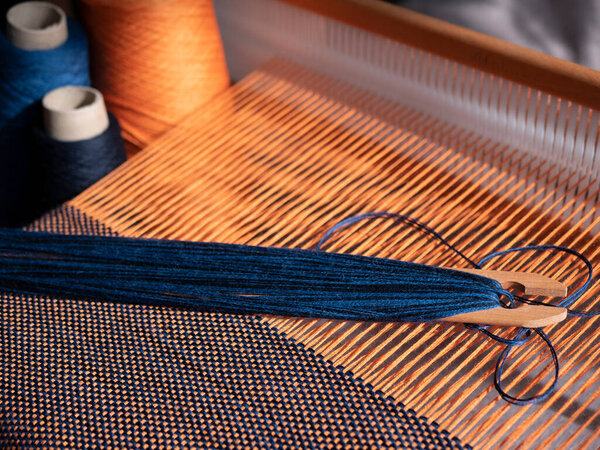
x: 529, y: 67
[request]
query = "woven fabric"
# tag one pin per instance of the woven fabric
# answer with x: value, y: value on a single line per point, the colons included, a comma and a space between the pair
x: 76, y: 374
x: 287, y: 153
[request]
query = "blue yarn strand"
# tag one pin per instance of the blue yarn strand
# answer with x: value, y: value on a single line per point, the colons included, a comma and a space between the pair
x: 523, y: 335
x: 401, y: 218
x: 573, y: 296
x: 500, y: 371
x: 264, y: 280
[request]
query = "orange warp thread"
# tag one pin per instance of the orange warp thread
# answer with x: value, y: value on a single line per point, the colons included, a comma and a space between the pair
x: 155, y: 61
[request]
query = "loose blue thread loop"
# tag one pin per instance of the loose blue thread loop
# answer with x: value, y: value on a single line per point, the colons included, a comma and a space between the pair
x: 242, y: 279
x: 523, y: 335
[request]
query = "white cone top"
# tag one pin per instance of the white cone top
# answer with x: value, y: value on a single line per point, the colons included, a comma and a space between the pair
x: 74, y: 113
x: 36, y: 26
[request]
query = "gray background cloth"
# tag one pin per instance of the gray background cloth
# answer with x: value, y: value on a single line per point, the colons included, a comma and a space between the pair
x: 567, y: 29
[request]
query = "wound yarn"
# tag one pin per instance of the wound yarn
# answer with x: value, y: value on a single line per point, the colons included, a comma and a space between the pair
x: 237, y: 279
x: 25, y: 76
x: 241, y: 279
x: 68, y: 168
x: 154, y: 61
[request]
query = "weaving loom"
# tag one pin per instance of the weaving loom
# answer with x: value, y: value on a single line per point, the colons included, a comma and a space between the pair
x: 328, y: 119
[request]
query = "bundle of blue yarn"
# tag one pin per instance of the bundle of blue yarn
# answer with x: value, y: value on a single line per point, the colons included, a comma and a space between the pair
x: 241, y: 279
x: 238, y: 278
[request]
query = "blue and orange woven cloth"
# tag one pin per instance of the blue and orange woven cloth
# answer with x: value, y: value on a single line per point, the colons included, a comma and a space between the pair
x: 76, y: 374
x: 277, y: 160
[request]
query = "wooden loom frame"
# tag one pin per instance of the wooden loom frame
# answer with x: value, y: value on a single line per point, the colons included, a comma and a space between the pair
x: 529, y: 67
x: 562, y: 80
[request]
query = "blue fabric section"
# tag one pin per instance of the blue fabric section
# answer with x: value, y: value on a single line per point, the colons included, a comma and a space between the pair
x: 76, y: 374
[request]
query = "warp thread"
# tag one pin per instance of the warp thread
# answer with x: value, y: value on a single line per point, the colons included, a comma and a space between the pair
x: 25, y: 77
x: 242, y: 279
x: 68, y: 168
x: 154, y: 61
x: 238, y: 279
x: 522, y: 335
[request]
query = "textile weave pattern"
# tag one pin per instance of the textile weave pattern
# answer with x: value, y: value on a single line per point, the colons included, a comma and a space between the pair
x: 75, y: 373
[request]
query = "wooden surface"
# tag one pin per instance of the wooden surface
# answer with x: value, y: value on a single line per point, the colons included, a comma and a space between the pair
x: 528, y: 283
x: 529, y: 67
x: 526, y: 316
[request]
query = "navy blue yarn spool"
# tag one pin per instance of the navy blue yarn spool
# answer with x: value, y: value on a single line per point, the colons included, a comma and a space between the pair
x: 68, y: 168
x: 261, y: 280
x: 25, y: 77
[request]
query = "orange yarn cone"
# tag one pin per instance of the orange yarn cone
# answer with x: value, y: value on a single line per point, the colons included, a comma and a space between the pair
x: 155, y: 61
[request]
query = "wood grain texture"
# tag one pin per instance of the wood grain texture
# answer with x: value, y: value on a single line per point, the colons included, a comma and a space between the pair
x: 526, y: 316
x: 532, y: 68
x: 528, y: 283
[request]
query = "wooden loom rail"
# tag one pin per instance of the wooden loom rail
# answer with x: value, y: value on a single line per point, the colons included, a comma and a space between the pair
x: 553, y: 75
